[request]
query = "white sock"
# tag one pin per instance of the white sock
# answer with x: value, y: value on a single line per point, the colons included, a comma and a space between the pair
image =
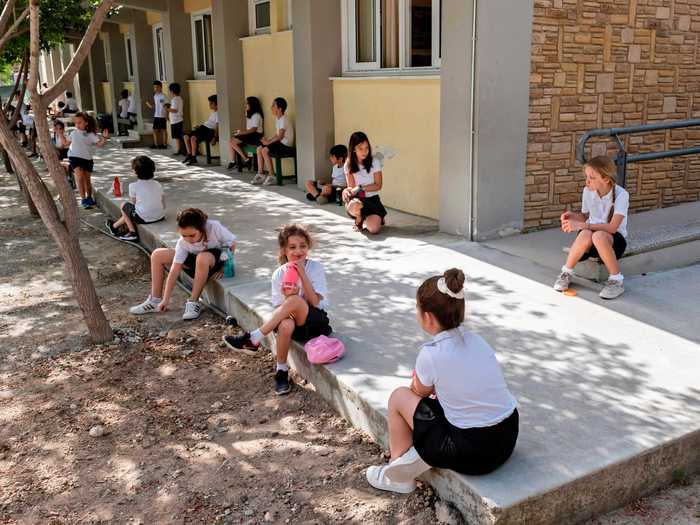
x: 154, y: 299
x: 565, y: 269
x: 256, y: 336
x: 616, y: 277
x: 283, y: 366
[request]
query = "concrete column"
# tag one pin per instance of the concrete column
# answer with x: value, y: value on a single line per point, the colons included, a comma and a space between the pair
x: 144, y: 62
x: 115, y: 59
x: 229, y: 24
x: 317, y: 56
x: 179, y: 63
x: 483, y: 182
x: 66, y: 54
x: 85, y: 87
x: 55, y: 55
x: 99, y: 73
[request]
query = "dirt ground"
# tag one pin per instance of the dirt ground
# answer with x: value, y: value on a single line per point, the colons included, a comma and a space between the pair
x: 192, y: 432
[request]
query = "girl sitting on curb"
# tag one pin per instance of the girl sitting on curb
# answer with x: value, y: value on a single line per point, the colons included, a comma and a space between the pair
x: 601, y: 226
x: 300, y: 298
x: 364, y: 179
x: 197, y: 252
x: 472, y: 425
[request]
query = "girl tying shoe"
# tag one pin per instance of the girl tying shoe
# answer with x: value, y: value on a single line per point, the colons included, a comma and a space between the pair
x: 472, y: 425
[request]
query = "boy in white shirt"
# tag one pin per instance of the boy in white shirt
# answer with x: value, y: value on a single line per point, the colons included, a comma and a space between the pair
x: 281, y: 144
x: 146, y: 204
x: 175, y: 114
x: 71, y: 104
x: 160, y: 137
x: 207, y: 132
x: 330, y: 192
x: 124, y: 120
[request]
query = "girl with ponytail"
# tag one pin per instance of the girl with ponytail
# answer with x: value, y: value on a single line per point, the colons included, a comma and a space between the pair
x: 601, y: 226
x: 458, y: 412
x: 197, y: 252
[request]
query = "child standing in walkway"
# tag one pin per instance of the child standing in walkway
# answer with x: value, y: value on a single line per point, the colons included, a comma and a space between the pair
x: 197, y: 252
x: 176, y: 115
x: 146, y: 201
x: 601, y: 226
x: 364, y: 179
x: 323, y: 193
x: 472, y: 425
x: 160, y: 137
x: 81, y: 149
x: 300, y: 298
x: 250, y: 136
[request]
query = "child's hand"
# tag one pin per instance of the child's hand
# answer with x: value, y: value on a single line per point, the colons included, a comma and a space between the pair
x: 163, y: 305
x: 288, y: 290
x: 300, y: 266
x: 565, y: 216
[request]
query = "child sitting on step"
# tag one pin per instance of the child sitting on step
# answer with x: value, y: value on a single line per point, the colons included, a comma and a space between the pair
x: 197, y: 252
x: 300, y: 298
x: 146, y: 202
x: 472, y: 425
x: 331, y: 191
x: 601, y: 226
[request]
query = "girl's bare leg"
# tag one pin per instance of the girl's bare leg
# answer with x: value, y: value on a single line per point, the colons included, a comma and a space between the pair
x: 582, y: 243
x: 603, y: 242
x: 402, y: 406
x: 161, y: 259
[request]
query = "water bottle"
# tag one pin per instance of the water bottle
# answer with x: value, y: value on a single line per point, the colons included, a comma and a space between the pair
x: 229, y: 265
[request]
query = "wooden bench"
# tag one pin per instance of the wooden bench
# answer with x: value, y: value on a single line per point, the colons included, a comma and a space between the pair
x: 252, y: 150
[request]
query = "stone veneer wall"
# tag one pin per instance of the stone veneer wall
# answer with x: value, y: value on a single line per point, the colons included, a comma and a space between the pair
x: 611, y: 63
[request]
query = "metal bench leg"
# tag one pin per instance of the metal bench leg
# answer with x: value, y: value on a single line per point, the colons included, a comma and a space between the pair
x: 278, y: 170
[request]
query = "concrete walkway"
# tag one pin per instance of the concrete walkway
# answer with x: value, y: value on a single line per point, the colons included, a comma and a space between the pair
x: 609, y: 403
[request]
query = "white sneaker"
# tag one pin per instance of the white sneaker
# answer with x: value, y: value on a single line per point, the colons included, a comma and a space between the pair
x: 270, y: 180
x: 258, y: 179
x: 146, y: 307
x: 377, y: 478
x: 406, y: 468
x: 192, y: 310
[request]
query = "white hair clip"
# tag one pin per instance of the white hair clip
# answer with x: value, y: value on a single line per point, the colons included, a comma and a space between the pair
x: 443, y: 288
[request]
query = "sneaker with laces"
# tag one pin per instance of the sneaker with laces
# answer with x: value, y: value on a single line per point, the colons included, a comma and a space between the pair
x: 406, y: 468
x: 146, y: 307
x: 242, y: 344
x: 269, y: 180
x: 192, y: 310
x: 563, y: 282
x: 258, y: 179
x: 111, y: 229
x: 85, y: 204
x: 282, y: 385
x: 612, y: 289
x: 376, y: 476
x: 129, y: 236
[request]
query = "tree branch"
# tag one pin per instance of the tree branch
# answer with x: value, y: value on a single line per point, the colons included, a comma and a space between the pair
x: 7, y: 13
x: 12, y: 32
x: 80, y: 54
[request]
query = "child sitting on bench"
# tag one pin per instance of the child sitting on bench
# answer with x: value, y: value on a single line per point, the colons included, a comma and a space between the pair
x: 207, y: 132
x: 279, y: 145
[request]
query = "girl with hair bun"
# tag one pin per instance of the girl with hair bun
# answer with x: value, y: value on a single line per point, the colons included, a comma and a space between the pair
x: 458, y: 412
x: 197, y: 252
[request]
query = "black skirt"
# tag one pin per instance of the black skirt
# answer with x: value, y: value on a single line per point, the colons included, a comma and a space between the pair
x: 619, y: 247
x: 190, y: 264
x: 317, y: 323
x: 471, y: 451
x: 372, y: 206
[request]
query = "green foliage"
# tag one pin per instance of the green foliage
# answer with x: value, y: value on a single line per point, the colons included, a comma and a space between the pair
x: 680, y: 477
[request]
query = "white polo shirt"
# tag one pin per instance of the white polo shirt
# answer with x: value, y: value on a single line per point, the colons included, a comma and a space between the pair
x: 338, y: 176
x: 158, y: 101
x: 82, y: 144
x: 283, y: 123
x: 255, y: 121
x: 177, y: 104
x: 217, y: 236
x: 123, y: 107
x: 598, y: 208
x: 316, y: 274
x: 364, y: 177
x: 467, y: 378
x: 148, y: 199
x: 212, y: 121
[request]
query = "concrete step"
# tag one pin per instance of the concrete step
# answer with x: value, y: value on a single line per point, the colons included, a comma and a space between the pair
x: 608, y: 413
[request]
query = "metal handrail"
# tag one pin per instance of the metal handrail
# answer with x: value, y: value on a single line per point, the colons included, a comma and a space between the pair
x: 622, y: 158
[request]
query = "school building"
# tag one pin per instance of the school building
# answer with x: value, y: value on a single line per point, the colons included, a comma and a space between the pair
x: 482, y: 101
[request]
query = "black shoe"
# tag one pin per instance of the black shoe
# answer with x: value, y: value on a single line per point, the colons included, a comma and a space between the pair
x: 310, y: 197
x: 154, y: 146
x: 282, y: 385
x: 186, y: 159
x: 241, y: 343
x: 193, y: 160
x: 232, y: 165
x: 110, y: 227
x: 163, y: 146
x: 248, y: 164
x: 129, y: 236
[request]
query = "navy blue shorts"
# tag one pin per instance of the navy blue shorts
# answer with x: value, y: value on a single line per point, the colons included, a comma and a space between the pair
x: 77, y: 162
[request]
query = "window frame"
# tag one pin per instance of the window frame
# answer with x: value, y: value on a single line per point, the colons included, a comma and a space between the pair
x: 162, y: 61
x: 129, y: 49
x: 352, y: 67
x: 252, y: 26
x: 194, y: 18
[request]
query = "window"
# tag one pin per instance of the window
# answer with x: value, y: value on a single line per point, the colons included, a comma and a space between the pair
x: 129, y: 56
x: 202, y: 45
x: 259, y: 15
x: 392, y: 35
x: 159, y: 49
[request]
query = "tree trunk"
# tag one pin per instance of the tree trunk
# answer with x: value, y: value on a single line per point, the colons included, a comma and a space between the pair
x: 28, y: 198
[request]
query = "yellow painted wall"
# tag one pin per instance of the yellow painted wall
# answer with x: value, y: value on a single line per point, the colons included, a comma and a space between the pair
x: 153, y: 17
x: 403, y: 113
x: 197, y: 92
x: 123, y: 28
x: 107, y: 94
x: 268, y: 72
x: 129, y: 86
x: 195, y: 5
